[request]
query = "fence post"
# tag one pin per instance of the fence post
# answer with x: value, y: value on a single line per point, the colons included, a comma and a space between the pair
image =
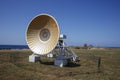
x: 99, y: 64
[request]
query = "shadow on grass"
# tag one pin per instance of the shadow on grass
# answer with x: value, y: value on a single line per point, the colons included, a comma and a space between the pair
x: 47, y: 63
x: 71, y: 64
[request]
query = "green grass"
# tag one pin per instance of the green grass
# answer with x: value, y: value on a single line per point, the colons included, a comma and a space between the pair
x: 14, y: 65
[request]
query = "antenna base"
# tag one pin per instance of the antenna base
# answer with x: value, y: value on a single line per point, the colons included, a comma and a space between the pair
x: 34, y: 58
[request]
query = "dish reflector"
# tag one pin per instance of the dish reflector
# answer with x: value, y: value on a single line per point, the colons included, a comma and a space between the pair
x: 42, y: 34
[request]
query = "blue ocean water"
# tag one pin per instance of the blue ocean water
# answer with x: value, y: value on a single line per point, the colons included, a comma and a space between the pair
x: 13, y: 47
x: 4, y: 47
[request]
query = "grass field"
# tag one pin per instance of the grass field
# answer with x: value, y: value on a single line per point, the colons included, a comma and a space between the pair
x: 14, y: 65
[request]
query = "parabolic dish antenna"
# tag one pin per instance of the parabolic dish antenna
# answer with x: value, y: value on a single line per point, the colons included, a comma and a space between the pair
x: 43, y: 37
x: 42, y: 34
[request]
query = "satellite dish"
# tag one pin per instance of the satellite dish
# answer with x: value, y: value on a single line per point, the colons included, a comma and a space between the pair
x: 42, y: 34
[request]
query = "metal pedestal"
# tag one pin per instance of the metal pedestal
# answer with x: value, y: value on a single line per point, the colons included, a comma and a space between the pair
x: 34, y: 58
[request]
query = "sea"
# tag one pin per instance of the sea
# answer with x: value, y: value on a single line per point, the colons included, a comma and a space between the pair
x: 8, y: 47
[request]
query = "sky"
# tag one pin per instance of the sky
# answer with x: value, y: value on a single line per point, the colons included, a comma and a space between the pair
x: 92, y: 22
